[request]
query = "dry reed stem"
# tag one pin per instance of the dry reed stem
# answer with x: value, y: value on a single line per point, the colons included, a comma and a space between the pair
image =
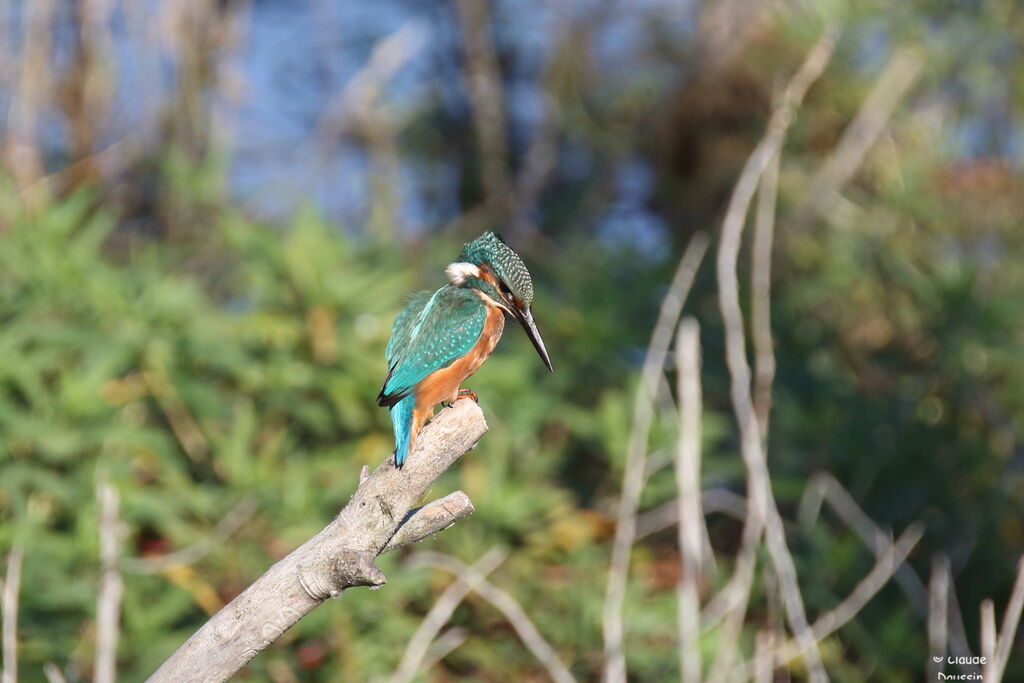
x: 53, y: 673
x: 988, y: 638
x: 885, y: 566
x: 636, y: 455
x: 362, y: 111
x: 666, y: 515
x: 938, y: 615
x: 825, y: 487
x: 860, y: 136
x: 225, y: 528
x: 692, y: 532
x: 416, y: 650
x: 34, y: 87
x: 762, y: 515
x: 111, y: 590
x: 761, y: 293
x: 10, y: 588
x: 1008, y: 632
x: 483, y: 80
x: 508, y: 606
x: 764, y: 664
x: 185, y: 428
x: 446, y: 643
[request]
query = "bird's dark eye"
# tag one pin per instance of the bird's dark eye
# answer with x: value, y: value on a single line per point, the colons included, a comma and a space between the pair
x: 505, y: 290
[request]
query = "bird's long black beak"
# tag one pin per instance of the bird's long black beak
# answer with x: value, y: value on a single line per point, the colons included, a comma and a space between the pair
x: 525, y: 318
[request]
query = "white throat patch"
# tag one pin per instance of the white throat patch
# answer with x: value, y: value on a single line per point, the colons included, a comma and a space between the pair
x: 460, y: 270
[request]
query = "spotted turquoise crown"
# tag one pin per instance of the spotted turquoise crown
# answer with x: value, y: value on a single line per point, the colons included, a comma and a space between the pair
x: 490, y: 249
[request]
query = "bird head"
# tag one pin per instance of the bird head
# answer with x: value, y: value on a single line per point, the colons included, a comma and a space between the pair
x: 490, y: 266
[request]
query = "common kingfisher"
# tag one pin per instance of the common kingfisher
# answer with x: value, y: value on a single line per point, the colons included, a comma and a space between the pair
x: 441, y: 338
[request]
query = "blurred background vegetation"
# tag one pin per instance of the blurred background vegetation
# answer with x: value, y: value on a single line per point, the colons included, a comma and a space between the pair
x: 211, y: 212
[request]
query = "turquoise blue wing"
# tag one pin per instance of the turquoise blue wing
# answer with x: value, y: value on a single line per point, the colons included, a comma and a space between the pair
x: 402, y: 328
x: 445, y: 329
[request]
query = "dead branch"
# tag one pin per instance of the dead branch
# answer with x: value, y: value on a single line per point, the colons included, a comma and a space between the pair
x: 340, y: 556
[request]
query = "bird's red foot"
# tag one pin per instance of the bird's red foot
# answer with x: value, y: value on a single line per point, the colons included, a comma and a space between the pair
x: 467, y: 393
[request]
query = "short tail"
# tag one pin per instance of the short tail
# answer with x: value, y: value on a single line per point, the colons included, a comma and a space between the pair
x: 401, y: 418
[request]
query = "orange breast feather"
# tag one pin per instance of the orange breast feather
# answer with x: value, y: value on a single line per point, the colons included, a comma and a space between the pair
x: 443, y: 384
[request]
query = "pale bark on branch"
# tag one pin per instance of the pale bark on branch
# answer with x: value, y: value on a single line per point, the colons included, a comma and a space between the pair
x: 379, y: 517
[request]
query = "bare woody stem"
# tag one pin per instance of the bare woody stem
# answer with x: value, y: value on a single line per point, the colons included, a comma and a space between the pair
x: 379, y: 517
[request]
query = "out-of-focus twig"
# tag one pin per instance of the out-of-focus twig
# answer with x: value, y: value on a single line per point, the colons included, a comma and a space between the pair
x: 87, y: 85
x: 483, y: 78
x: 541, y: 155
x: 898, y: 76
x: 666, y: 515
x: 825, y: 487
x: 111, y: 159
x: 761, y: 293
x: 184, y: 426
x: 507, y: 605
x: 53, y: 673
x: 418, y: 646
x: 34, y: 85
x: 764, y: 663
x: 938, y: 615
x: 988, y: 636
x: 1008, y: 632
x: 830, y: 622
x: 725, y: 28
x: 761, y: 511
x: 10, y: 588
x: 636, y: 455
x: 111, y: 590
x: 692, y: 532
x: 225, y: 528
x: 445, y: 644
x: 357, y: 108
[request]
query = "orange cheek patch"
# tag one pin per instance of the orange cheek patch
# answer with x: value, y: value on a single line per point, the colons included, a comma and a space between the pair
x: 488, y: 276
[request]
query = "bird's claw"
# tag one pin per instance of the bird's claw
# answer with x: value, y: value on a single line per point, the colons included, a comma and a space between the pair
x: 468, y: 393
